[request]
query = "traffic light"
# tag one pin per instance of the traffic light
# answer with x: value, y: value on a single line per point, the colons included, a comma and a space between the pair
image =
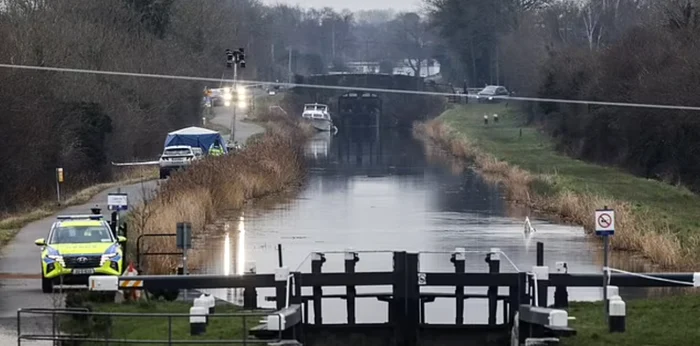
x: 241, y: 57
x: 235, y: 57
x: 229, y: 58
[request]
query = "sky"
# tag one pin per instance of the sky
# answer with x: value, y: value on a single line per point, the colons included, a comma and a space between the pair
x: 354, y: 5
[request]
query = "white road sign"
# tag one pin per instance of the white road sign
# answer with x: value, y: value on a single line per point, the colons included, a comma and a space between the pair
x: 117, y: 201
x: 604, y: 222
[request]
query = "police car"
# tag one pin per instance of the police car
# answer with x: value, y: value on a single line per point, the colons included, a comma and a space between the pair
x: 77, y: 247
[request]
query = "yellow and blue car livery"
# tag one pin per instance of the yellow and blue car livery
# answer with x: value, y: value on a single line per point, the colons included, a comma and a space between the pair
x: 78, y: 247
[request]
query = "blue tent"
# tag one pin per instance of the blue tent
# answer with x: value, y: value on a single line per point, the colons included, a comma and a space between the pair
x: 195, y: 137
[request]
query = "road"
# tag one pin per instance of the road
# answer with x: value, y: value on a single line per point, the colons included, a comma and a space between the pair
x: 223, y: 115
x: 20, y: 284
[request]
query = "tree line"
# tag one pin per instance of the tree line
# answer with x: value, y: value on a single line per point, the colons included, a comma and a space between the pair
x: 82, y: 122
x: 637, y: 51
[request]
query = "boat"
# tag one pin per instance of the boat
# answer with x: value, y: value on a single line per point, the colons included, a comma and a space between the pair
x: 318, y: 115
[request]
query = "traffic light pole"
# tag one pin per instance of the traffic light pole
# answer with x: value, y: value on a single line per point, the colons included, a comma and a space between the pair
x: 235, y: 103
x: 232, y: 60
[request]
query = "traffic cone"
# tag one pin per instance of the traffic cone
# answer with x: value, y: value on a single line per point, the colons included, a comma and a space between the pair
x: 132, y: 294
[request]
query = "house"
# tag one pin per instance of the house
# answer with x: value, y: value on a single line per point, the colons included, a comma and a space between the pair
x: 428, y: 68
x: 363, y: 67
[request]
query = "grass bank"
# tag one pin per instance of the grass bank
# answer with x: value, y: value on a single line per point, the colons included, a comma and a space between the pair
x: 653, y: 218
x: 269, y: 163
x: 138, y: 326
x: 11, y: 224
x: 648, y: 323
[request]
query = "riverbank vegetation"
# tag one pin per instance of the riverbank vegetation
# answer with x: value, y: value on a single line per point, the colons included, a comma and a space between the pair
x: 268, y: 164
x: 628, y: 51
x: 82, y: 122
x: 656, y: 219
x: 655, y: 321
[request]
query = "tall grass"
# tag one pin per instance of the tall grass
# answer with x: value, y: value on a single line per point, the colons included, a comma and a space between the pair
x: 547, y: 193
x: 268, y: 164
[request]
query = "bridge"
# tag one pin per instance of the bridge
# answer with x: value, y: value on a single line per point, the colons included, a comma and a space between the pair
x: 352, y: 108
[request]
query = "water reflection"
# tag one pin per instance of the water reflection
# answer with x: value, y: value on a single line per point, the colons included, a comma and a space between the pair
x: 318, y: 146
x: 240, y: 248
x: 379, y: 192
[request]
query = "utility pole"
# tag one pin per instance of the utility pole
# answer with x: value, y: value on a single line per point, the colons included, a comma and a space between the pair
x: 333, y: 39
x: 289, y: 67
x: 272, y: 62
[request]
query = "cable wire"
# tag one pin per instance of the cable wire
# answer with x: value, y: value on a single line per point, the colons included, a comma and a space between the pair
x: 648, y: 277
x: 346, y: 88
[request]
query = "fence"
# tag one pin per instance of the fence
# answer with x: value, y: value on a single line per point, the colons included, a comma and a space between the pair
x: 83, y: 327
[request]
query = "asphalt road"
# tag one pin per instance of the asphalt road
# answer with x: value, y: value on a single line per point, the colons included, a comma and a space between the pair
x: 223, y: 115
x: 20, y: 284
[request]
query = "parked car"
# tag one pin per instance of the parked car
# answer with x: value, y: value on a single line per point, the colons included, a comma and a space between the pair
x: 492, y: 93
x: 176, y: 157
x: 77, y: 247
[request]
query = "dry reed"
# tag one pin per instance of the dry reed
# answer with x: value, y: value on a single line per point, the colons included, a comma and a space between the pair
x: 268, y: 164
x: 544, y: 193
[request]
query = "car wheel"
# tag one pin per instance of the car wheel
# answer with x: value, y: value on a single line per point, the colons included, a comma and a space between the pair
x: 46, y: 285
x: 163, y: 174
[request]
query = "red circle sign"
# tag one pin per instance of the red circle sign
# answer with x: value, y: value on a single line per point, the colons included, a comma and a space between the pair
x: 604, y: 220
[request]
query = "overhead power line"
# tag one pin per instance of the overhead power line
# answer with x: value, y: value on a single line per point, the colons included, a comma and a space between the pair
x: 345, y: 88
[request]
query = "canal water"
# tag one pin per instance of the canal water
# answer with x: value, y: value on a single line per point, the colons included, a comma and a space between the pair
x: 379, y: 192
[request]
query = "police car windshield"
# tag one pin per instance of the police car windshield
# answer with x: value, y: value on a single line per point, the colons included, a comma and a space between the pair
x: 80, y: 235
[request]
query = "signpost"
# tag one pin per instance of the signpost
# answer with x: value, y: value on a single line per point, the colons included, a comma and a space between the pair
x: 605, y: 227
x: 118, y: 201
x: 184, y: 242
x: 59, y: 181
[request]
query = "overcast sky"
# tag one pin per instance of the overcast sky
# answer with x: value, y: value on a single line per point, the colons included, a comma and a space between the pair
x: 354, y: 5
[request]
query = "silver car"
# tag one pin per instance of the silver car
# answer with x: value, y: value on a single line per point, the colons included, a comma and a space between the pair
x: 492, y: 93
x: 176, y: 157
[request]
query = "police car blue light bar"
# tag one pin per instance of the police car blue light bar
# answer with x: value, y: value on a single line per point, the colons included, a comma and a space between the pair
x: 80, y: 217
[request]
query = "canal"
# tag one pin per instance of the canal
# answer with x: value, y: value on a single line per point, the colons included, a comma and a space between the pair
x: 379, y: 192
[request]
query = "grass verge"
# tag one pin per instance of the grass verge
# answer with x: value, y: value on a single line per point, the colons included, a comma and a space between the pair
x: 138, y: 326
x: 11, y: 224
x: 656, y: 219
x: 268, y: 164
x: 657, y: 321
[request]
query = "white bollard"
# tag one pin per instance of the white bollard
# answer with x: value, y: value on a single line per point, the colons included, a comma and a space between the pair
x: 617, y: 316
x: 210, y: 302
x: 201, y: 302
x: 613, y: 291
x: 198, y: 320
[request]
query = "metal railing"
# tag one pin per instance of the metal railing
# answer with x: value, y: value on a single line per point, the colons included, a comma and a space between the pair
x: 139, y: 254
x: 107, y: 334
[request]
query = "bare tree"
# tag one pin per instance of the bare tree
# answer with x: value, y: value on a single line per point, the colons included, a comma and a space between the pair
x: 413, y: 37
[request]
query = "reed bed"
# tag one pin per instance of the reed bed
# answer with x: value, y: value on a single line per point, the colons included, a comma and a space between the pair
x: 549, y: 195
x: 268, y: 164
